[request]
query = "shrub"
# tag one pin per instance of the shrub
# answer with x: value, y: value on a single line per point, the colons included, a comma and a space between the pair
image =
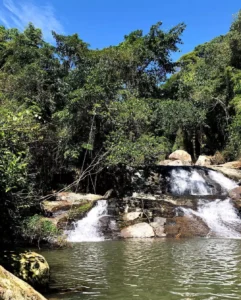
x: 38, y: 229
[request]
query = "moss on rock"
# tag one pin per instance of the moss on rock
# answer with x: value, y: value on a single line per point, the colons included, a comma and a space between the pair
x: 78, y: 213
x: 13, y: 288
x: 29, y: 266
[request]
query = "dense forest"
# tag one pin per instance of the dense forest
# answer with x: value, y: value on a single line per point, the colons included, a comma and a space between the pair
x: 68, y: 112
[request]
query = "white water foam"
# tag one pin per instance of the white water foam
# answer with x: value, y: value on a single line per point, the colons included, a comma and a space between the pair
x: 87, y: 229
x: 193, y: 183
x: 220, y: 216
x: 222, y: 180
x: 184, y: 182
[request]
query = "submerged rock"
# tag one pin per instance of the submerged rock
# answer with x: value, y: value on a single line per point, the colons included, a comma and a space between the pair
x: 140, y: 230
x: 29, y: 266
x: 13, y: 288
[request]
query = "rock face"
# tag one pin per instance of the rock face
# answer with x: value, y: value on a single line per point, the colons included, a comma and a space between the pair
x: 182, y: 156
x: 29, y: 266
x: 13, y: 288
x: 203, y: 161
x: 140, y: 230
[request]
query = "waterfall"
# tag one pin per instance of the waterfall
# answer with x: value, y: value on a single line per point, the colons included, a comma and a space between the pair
x: 185, y: 182
x: 87, y: 229
x: 199, y: 182
x: 220, y: 216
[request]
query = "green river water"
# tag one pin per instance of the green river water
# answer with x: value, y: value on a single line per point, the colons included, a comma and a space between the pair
x: 148, y: 270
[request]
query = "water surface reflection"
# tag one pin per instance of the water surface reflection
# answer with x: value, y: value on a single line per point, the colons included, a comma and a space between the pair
x: 149, y: 269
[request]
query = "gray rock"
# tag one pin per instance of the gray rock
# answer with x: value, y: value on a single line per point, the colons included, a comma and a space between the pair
x: 132, y: 216
x: 203, y: 160
x: 160, y: 220
x: 158, y: 229
x: 140, y: 230
x: 182, y: 156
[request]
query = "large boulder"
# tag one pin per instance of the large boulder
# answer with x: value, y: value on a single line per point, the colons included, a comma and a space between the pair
x: 203, y: 161
x: 182, y: 156
x: 186, y: 227
x: 140, y: 230
x: 13, y: 288
x: 29, y: 266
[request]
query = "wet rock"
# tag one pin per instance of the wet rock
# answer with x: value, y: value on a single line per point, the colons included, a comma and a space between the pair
x: 235, y: 193
x: 29, y: 266
x: 159, y: 229
x: 203, y: 161
x: 182, y: 156
x: 186, y: 227
x: 13, y: 288
x: 108, y: 227
x: 140, y: 230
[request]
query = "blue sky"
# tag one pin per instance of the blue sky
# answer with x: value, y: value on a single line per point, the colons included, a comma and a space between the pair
x: 104, y: 23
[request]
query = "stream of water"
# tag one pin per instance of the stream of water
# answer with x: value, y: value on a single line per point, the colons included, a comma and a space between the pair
x: 163, y: 269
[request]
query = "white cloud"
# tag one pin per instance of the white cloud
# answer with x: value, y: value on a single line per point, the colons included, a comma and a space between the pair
x: 16, y: 13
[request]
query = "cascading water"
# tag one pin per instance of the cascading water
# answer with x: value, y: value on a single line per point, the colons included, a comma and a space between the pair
x: 195, y: 182
x: 191, y: 183
x: 87, y: 229
x: 219, y: 215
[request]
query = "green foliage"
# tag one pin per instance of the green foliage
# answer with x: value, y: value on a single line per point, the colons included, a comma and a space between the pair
x: 38, y: 229
x: 17, y: 130
x: 144, y: 150
x: 63, y: 106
